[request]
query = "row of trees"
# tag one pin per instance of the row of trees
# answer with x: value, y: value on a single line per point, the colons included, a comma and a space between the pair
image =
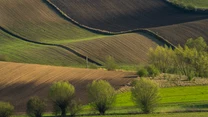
x: 101, y: 96
x: 190, y: 60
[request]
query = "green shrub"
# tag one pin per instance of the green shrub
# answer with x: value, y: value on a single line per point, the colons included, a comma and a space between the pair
x: 74, y: 108
x: 152, y: 71
x: 145, y: 94
x: 35, y: 107
x: 101, y: 95
x: 6, y: 109
x: 142, y: 72
x: 110, y: 63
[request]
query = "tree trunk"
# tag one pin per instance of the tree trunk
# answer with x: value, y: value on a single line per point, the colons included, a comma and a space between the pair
x: 63, y: 112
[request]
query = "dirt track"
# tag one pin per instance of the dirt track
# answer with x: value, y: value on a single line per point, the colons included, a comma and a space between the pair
x: 123, y: 15
x: 21, y: 81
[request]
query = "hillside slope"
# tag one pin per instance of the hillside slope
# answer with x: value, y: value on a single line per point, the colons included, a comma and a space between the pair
x: 127, y: 49
x: 124, y: 15
x: 34, y: 20
x: 25, y: 80
x: 16, y: 50
x: 180, y: 33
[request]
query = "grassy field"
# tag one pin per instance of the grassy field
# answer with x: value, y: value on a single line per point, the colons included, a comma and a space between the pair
x: 201, y: 4
x: 37, y: 21
x: 15, y: 50
x: 172, y: 95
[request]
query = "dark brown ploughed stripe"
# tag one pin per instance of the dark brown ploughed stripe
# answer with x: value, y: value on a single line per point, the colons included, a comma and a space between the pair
x: 124, y: 15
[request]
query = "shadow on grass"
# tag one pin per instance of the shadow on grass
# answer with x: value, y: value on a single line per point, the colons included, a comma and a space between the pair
x: 198, y: 106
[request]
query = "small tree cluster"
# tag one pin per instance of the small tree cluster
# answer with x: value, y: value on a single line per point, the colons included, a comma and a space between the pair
x: 190, y: 60
x: 101, y: 95
x: 145, y: 94
x: 6, y: 109
x: 148, y: 71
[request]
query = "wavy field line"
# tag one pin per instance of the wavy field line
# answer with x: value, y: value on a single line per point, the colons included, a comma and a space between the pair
x: 56, y: 45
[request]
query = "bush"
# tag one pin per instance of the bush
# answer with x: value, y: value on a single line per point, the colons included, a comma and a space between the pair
x: 35, y: 107
x: 74, y: 108
x: 145, y: 95
x: 6, y: 109
x: 152, y: 71
x: 142, y: 72
x: 101, y: 95
x: 61, y: 93
x: 110, y: 63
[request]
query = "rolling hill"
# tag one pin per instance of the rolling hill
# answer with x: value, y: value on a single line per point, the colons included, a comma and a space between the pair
x: 25, y: 80
x: 127, y: 49
x: 123, y: 15
x: 180, y: 33
x: 16, y: 50
x: 35, y: 20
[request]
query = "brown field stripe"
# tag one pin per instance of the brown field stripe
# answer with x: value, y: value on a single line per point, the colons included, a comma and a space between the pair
x: 48, y: 44
x: 99, y: 31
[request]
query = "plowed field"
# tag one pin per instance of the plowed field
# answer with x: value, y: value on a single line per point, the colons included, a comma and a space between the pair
x: 180, y: 33
x: 21, y: 81
x: 124, y: 15
x: 127, y: 49
x: 34, y: 20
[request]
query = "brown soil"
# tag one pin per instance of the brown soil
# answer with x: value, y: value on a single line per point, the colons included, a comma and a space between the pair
x: 124, y: 15
x: 129, y: 48
x: 180, y: 33
x: 21, y: 81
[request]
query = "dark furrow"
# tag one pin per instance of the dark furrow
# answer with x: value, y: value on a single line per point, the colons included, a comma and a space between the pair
x: 48, y: 44
x: 83, y: 14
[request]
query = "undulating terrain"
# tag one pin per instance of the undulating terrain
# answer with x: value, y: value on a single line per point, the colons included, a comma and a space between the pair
x: 124, y: 15
x: 67, y: 32
x: 127, y: 49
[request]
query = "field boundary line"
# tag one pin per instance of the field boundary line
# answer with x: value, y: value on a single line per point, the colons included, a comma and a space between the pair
x: 48, y: 44
x: 147, y: 31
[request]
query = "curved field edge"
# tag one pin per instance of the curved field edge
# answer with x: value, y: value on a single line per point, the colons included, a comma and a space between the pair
x: 37, y: 21
x: 191, y: 5
x: 129, y: 50
x: 147, y: 31
x: 68, y: 12
x: 101, y: 61
x: 178, y: 34
x: 25, y: 80
x: 53, y: 45
x: 16, y: 50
